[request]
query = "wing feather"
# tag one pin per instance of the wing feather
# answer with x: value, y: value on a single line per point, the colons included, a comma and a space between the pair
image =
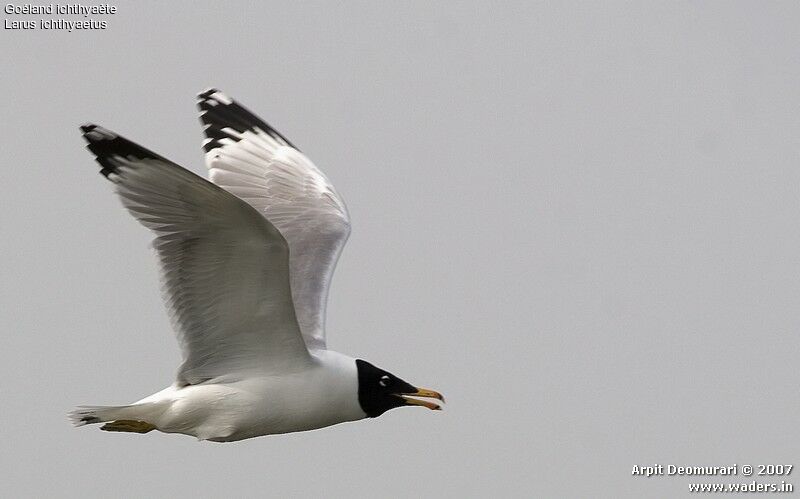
x: 252, y: 160
x: 225, y: 267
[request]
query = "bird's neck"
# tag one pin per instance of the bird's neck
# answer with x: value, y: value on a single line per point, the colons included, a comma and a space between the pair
x: 337, y: 377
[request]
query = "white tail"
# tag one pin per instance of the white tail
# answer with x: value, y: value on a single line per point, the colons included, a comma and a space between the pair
x: 90, y: 414
x: 129, y: 418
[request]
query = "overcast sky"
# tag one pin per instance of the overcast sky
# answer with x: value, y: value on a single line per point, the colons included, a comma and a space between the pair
x: 579, y: 221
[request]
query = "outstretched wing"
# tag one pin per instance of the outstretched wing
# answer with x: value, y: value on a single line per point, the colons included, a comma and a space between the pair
x: 225, y: 267
x: 250, y: 159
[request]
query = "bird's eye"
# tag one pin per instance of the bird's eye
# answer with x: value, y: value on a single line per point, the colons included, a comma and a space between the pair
x: 384, y: 381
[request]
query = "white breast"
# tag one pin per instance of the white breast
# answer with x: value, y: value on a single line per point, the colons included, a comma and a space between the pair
x: 263, y: 404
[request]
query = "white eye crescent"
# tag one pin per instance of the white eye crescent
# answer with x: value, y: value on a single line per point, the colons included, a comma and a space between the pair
x: 384, y: 381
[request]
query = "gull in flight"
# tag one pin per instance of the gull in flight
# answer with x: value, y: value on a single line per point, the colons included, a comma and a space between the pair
x: 246, y: 261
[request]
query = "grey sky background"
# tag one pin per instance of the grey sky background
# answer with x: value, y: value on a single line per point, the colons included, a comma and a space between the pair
x: 579, y: 221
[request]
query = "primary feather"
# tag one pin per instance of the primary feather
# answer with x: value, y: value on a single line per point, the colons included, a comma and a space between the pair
x: 225, y: 267
x: 250, y: 159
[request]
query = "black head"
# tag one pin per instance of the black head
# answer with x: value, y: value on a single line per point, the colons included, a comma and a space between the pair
x: 379, y: 391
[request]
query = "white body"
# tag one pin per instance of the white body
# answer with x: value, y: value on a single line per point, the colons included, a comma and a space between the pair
x: 236, y: 407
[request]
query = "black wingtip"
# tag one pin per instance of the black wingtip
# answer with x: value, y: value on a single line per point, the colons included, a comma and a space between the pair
x: 205, y: 94
x: 95, y: 133
x: 108, y: 147
x: 218, y: 111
